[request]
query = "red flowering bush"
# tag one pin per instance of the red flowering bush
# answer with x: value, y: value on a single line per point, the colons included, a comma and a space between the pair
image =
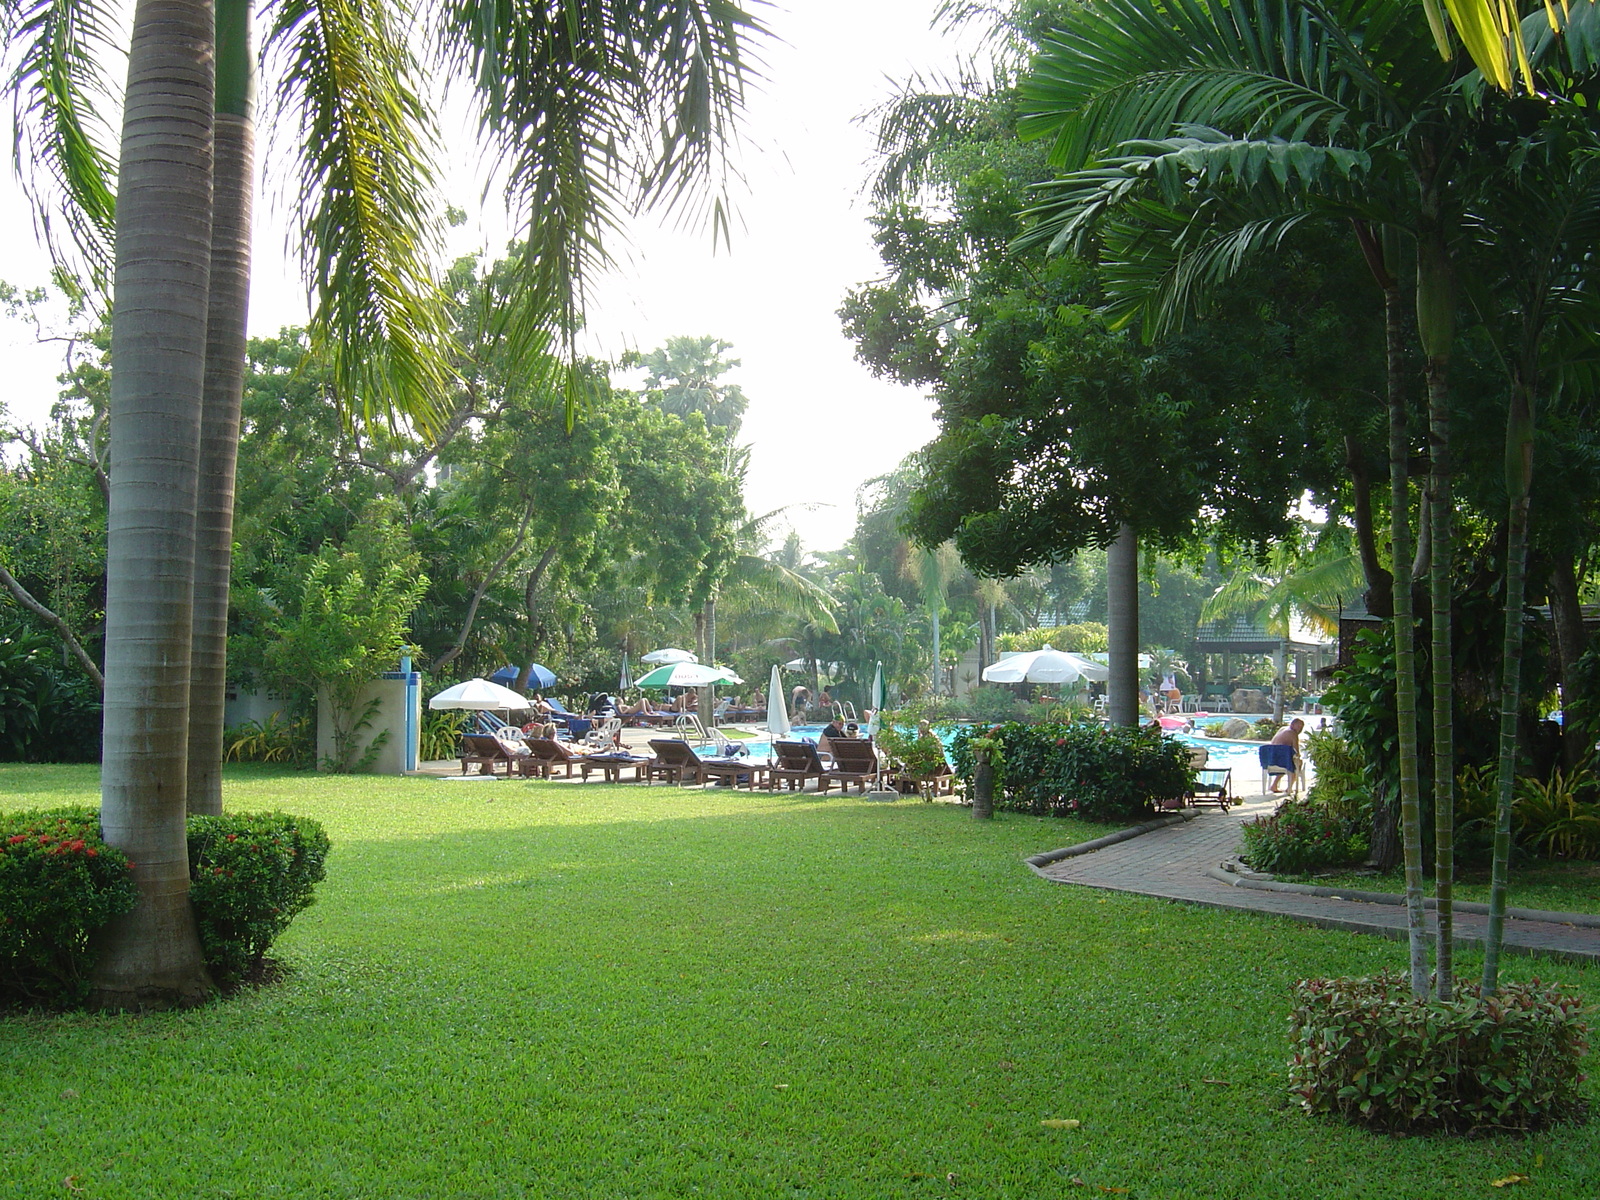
x: 249, y: 874
x: 59, y: 882
x: 1301, y: 836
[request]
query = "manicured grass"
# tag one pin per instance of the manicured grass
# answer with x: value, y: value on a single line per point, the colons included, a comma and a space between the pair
x: 1572, y: 887
x: 544, y: 990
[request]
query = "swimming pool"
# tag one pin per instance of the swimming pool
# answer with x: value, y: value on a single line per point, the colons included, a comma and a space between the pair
x: 1223, y: 753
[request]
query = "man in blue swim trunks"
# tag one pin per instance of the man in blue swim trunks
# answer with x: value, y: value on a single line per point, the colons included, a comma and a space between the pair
x: 1289, y: 737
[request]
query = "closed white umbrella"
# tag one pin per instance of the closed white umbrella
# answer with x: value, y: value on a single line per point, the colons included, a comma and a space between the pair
x: 479, y: 694
x: 668, y: 656
x: 878, y: 696
x: 777, y: 710
x: 1045, y: 666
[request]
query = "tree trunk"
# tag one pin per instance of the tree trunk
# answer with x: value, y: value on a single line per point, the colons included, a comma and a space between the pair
x: 982, y: 788
x: 228, y: 311
x: 706, y: 627
x: 1405, y: 659
x: 1380, y: 584
x: 1442, y: 501
x: 1385, y: 854
x: 1519, y: 481
x: 151, y: 956
x: 938, y: 671
x: 1436, y: 315
x: 1122, y: 628
x: 1566, y: 614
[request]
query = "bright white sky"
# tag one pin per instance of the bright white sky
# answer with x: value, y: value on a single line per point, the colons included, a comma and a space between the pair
x: 819, y: 424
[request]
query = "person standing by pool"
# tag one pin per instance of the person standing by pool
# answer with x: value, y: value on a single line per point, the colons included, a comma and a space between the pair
x: 799, y: 699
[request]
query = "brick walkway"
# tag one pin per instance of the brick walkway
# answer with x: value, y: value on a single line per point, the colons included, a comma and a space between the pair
x: 1183, y: 860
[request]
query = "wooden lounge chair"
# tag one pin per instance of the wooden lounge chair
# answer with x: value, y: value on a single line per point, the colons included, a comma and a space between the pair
x: 855, y: 760
x: 486, y: 751
x: 611, y: 765
x: 797, y: 762
x: 547, y: 754
x: 675, y: 761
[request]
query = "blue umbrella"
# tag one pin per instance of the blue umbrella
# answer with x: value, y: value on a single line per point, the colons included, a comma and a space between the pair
x: 541, y: 677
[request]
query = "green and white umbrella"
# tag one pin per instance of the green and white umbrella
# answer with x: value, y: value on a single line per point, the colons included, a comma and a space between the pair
x: 877, y: 701
x: 686, y: 674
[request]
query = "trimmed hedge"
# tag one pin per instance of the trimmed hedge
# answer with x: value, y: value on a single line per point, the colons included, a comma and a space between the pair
x: 1092, y: 771
x: 249, y: 875
x: 59, y: 882
x: 1371, y: 1053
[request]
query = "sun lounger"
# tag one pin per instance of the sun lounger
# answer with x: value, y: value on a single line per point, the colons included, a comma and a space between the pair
x: 797, y: 762
x: 675, y: 761
x: 855, y: 760
x: 547, y: 755
x: 1212, y: 785
x: 487, y: 752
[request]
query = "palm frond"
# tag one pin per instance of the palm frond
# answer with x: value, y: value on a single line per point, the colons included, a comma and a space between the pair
x: 597, y: 107
x: 58, y: 84
x: 370, y: 230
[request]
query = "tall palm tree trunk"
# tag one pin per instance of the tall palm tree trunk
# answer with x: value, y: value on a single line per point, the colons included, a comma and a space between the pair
x: 1122, y: 627
x: 1405, y: 655
x: 1436, y: 321
x: 1519, y: 481
x: 233, y: 180
x: 151, y: 956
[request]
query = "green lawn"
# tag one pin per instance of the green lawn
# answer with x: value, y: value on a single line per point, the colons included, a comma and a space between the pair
x: 1569, y: 887
x: 544, y: 990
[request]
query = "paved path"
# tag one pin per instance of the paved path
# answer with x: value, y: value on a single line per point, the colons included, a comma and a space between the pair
x: 1183, y: 861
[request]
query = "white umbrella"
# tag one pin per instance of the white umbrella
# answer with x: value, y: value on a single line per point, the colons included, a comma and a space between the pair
x: 777, y: 710
x: 686, y: 674
x: 1045, y: 666
x: 481, y: 694
x: 669, y: 655
x: 878, y: 697
x: 626, y: 680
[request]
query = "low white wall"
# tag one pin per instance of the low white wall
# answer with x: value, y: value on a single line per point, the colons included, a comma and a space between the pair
x: 393, y: 755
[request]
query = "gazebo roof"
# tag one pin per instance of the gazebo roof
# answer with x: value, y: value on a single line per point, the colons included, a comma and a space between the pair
x: 1245, y: 635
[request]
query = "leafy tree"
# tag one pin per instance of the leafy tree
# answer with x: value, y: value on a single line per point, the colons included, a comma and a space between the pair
x: 685, y: 377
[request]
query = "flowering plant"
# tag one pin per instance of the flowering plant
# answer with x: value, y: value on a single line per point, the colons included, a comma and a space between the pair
x: 59, y: 882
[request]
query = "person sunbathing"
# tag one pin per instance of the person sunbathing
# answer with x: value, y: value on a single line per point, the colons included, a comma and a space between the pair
x: 643, y: 708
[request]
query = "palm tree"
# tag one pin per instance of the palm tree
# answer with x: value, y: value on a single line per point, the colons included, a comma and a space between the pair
x: 233, y: 176
x: 590, y: 105
x: 1281, y: 115
x: 151, y: 956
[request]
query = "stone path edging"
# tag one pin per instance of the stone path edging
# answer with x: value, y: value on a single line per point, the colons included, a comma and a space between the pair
x: 1267, y: 883
x: 1111, y: 839
x: 1186, y: 859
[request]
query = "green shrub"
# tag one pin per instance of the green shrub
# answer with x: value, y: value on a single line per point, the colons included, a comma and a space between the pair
x: 440, y: 735
x: 278, y: 739
x: 1301, y: 836
x: 1341, y: 783
x: 59, y: 882
x: 1552, y: 817
x: 1096, y: 772
x: 993, y: 705
x: 1264, y: 729
x: 47, y: 713
x: 250, y: 873
x: 1370, y: 1052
